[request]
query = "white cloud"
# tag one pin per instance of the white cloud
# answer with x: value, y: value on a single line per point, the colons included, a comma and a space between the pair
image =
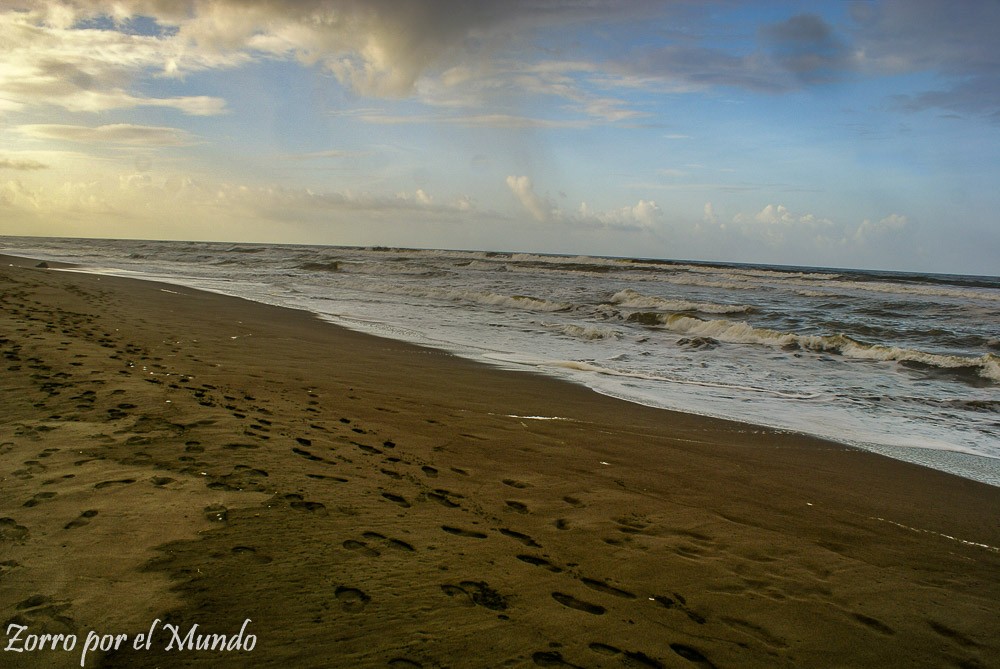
x: 643, y: 214
x: 118, y: 133
x: 772, y: 215
x: 890, y: 225
x: 709, y: 216
x: 49, y: 62
x: 540, y: 208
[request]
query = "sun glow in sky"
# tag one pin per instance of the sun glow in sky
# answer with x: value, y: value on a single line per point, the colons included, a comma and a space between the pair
x: 848, y: 134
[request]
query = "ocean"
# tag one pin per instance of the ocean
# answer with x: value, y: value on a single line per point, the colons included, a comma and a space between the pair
x: 903, y: 364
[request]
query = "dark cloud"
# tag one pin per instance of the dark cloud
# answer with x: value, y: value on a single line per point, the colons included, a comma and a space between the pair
x: 956, y: 41
x: 806, y: 46
x: 800, y: 51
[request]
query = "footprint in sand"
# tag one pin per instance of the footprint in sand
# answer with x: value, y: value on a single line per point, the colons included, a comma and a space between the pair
x: 351, y: 600
x: 8, y: 566
x: 680, y: 603
x: 601, y: 586
x: 690, y: 654
x: 471, y: 593
x: 396, y: 499
x: 429, y: 471
x: 442, y: 499
x: 39, y: 498
x: 572, y: 602
x: 397, y: 544
x: 523, y: 538
x: 360, y: 547
x: 238, y: 445
x: 459, y: 532
x: 108, y: 484
x: 629, y: 658
x: 873, y: 623
x: 11, y: 531
x: 540, y: 562
x: 40, y: 612
x: 323, y: 477
x: 519, y: 507
x: 81, y: 520
x: 312, y: 507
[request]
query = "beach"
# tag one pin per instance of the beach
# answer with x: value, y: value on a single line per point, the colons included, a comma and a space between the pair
x: 173, y: 458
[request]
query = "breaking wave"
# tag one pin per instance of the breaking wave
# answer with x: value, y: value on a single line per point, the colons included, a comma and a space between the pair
x: 635, y: 300
x: 986, y: 365
x: 588, y: 332
x: 482, y: 297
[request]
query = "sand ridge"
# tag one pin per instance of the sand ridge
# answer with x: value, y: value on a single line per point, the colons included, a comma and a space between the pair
x: 371, y: 503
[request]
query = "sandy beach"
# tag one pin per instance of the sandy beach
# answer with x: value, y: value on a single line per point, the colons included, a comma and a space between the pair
x: 172, y: 458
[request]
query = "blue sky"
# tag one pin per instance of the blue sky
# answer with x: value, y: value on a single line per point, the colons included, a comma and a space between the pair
x: 847, y: 134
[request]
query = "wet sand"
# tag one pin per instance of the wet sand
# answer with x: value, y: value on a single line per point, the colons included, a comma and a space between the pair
x: 183, y: 457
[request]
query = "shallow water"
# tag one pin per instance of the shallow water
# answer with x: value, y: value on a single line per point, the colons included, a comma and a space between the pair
x: 903, y: 364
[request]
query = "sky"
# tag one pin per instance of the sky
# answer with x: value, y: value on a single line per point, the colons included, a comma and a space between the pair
x: 858, y: 134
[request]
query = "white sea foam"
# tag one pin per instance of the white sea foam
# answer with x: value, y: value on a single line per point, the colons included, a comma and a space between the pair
x: 743, y: 333
x: 587, y: 332
x: 617, y: 325
x: 632, y: 299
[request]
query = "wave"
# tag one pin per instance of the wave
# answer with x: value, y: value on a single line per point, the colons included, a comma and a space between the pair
x: 581, y: 366
x: 588, y: 332
x: 986, y: 365
x: 482, y: 297
x: 633, y: 299
x: 966, y: 292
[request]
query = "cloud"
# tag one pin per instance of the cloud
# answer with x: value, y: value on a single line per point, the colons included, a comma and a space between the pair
x: 644, y: 214
x: 956, y: 43
x: 540, y: 208
x: 188, y: 204
x: 119, y: 133
x: 378, y: 47
x: 84, y: 55
x: 21, y: 164
x: 806, y: 46
x: 774, y: 214
x: 892, y: 224
x: 48, y: 61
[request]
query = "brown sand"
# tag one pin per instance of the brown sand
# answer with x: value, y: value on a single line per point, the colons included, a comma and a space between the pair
x: 175, y: 455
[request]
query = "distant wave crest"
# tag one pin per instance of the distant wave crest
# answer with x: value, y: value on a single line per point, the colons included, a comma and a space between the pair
x: 635, y: 300
x: 986, y: 366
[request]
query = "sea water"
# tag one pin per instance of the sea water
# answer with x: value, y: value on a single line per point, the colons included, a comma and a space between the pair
x: 899, y: 363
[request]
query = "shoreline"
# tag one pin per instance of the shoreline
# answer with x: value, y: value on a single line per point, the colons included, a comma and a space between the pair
x: 384, y: 504
x: 949, y: 458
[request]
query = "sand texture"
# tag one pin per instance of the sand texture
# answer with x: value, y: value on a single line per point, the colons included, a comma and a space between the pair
x: 179, y: 456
